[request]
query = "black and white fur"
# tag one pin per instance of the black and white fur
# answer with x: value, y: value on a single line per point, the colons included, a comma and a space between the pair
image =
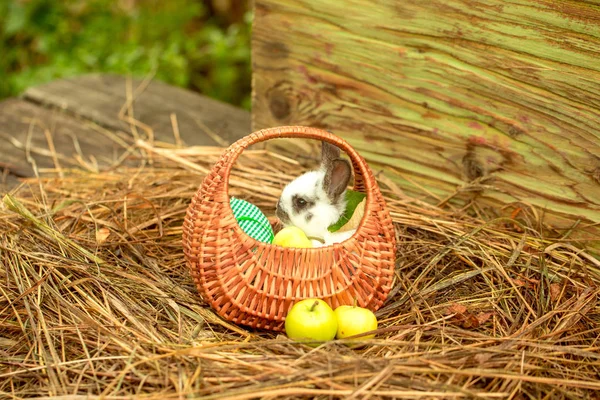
x: 317, y: 199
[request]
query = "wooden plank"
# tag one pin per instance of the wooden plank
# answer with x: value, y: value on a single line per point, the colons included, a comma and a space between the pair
x: 29, y: 132
x: 201, y: 120
x: 7, y: 180
x: 455, y: 99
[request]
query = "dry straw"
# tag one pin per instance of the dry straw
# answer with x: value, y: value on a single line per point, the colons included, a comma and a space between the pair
x: 96, y: 300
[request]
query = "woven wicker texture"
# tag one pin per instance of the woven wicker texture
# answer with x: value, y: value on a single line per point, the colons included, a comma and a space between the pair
x: 255, y: 284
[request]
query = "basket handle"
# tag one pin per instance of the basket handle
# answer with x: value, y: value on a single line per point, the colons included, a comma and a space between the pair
x: 219, y: 176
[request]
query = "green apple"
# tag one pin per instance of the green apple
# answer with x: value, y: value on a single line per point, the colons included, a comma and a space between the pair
x: 291, y: 236
x: 311, y: 320
x: 354, y: 320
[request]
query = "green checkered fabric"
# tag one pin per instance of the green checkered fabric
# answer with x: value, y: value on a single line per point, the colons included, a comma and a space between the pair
x: 252, y: 221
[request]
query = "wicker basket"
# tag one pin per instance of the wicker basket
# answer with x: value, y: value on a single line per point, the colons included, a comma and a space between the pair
x: 254, y: 283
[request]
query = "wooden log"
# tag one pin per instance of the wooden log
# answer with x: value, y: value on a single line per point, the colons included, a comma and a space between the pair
x: 454, y: 99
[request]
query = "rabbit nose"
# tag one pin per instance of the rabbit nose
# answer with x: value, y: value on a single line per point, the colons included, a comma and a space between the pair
x: 281, y: 214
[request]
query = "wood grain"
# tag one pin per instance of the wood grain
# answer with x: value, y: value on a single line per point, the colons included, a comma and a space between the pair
x: 453, y: 99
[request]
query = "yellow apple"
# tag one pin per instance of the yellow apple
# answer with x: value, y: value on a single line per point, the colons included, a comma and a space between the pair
x: 311, y: 320
x: 354, y: 320
x: 290, y: 236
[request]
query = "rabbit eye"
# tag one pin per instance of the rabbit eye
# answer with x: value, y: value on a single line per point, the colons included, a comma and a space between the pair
x: 299, y: 203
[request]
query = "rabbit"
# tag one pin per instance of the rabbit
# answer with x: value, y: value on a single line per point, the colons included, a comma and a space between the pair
x: 317, y: 199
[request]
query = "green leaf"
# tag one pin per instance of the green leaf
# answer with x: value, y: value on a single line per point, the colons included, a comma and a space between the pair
x: 16, y: 19
x: 353, y: 199
x: 180, y: 41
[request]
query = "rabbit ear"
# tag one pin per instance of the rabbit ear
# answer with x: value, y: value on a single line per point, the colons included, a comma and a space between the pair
x: 336, y: 178
x: 329, y: 152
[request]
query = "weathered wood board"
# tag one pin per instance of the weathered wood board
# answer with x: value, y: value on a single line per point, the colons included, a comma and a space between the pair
x: 75, y: 123
x: 451, y: 98
x: 29, y: 134
x: 99, y: 98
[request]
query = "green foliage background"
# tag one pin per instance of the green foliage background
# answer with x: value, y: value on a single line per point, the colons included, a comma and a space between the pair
x: 180, y: 41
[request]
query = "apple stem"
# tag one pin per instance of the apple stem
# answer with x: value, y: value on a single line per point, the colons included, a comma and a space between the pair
x: 355, y: 301
x: 312, y: 308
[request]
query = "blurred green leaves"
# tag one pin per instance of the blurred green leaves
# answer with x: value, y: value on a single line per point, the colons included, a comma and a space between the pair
x: 177, y: 40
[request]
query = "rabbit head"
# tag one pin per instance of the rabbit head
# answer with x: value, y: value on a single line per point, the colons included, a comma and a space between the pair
x: 315, y: 200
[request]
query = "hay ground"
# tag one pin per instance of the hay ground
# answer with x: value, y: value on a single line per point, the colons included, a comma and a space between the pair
x: 96, y: 300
